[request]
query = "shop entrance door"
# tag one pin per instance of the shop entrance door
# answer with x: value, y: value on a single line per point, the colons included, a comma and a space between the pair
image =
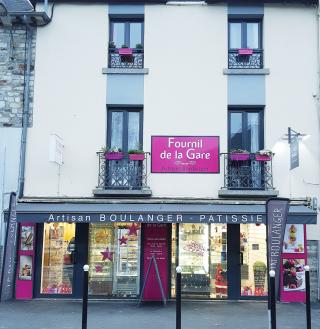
x: 201, y: 251
x: 247, y: 261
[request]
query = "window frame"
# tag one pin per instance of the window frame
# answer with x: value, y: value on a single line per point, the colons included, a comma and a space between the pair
x: 244, y: 40
x: 127, y: 22
x: 125, y: 111
x: 244, y: 112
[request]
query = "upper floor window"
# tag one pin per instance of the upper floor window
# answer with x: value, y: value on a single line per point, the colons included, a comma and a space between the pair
x: 126, y: 43
x: 245, y: 44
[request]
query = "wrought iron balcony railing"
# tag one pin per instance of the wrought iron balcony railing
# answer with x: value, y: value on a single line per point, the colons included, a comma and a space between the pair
x: 250, y: 174
x: 248, y: 61
x: 134, y: 61
x: 123, y: 174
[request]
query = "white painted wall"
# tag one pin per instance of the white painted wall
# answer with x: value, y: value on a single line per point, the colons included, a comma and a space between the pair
x: 290, y: 42
x: 69, y: 100
x: 9, y: 169
x: 185, y: 91
x: 185, y: 94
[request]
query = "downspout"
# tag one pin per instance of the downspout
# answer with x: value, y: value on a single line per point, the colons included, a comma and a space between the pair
x: 26, y: 106
x: 318, y: 110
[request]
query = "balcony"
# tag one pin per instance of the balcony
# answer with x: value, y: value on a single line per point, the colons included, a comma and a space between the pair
x: 134, y: 61
x: 247, y: 178
x: 124, y: 177
x: 245, y: 61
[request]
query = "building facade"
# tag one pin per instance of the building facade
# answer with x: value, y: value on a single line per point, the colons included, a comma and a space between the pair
x: 188, y: 84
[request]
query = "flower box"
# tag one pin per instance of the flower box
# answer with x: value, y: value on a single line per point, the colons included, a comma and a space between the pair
x: 125, y: 51
x: 114, y: 155
x: 263, y: 157
x: 239, y: 156
x: 245, y: 51
x: 136, y: 156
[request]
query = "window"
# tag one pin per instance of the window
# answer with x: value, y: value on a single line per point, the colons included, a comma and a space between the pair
x: 125, y: 129
x: 246, y: 129
x: 126, y: 32
x: 245, y: 34
x: 245, y: 44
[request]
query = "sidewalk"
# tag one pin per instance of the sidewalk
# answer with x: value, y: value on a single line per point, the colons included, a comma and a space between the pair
x: 62, y: 314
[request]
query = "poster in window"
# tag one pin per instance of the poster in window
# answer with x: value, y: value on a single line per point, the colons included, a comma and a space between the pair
x: 293, y: 241
x: 293, y: 274
x: 26, y: 241
x: 25, y: 267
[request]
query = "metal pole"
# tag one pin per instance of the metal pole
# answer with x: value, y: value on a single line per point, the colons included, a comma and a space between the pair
x: 308, y: 308
x: 272, y: 274
x: 85, y: 296
x: 178, y: 297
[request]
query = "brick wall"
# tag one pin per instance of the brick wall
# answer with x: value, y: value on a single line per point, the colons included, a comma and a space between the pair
x: 12, y: 68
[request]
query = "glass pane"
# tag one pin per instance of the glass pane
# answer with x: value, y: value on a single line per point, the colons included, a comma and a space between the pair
x: 236, y: 133
x: 194, y: 259
x: 114, y: 258
x: 253, y: 132
x: 253, y: 251
x: 116, y: 129
x: 235, y: 35
x: 218, y: 261
x: 253, y: 35
x: 133, y: 131
x: 118, y: 34
x: 57, y: 258
x: 135, y: 34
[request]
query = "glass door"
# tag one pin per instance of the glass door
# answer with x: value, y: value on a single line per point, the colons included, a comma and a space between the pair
x: 253, y: 260
x: 201, y: 251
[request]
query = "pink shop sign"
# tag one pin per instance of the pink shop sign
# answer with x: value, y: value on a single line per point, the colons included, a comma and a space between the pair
x: 185, y: 154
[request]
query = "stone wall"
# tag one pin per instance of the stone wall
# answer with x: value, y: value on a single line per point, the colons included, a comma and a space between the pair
x: 313, y: 263
x: 12, y: 75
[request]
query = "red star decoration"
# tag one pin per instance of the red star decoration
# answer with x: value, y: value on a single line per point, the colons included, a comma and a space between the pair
x: 107, y: 254
x: 133, y: 229
x: 98, y: 268
x: 123, y: 240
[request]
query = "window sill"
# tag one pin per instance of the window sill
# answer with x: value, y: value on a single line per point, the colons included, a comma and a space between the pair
x: 145, y: 192
x: 246, y: 71
x: 106, y: 70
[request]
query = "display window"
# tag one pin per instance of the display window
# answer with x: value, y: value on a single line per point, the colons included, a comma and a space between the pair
x: 202, y: 255
x: 114, y: 259
x: 57, y: 262
x: 253, y: 258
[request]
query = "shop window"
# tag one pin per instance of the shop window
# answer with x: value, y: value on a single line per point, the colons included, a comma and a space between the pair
x: 253, y: 260
x: 57, y: 258
x: 114, y: 259
x: 202, y: 255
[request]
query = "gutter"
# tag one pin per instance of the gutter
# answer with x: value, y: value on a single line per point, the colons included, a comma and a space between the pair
x: 26, y: 107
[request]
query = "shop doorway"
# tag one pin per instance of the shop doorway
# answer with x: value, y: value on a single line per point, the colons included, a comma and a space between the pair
x: 201, y: 251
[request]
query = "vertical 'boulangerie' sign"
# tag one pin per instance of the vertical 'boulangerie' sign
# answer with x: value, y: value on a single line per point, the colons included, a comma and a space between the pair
x: 277, y: 213
x: 9, y: 266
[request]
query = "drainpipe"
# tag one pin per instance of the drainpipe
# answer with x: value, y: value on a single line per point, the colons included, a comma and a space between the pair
x: 25, y: 116
x: 318, y: 110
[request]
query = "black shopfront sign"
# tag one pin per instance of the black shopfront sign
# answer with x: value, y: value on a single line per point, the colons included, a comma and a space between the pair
x: 170, y: 218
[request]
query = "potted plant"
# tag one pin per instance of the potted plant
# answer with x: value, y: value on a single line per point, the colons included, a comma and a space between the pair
x: 245, y: 51
x: 136, y: 154
x: 259, y: 274
x: 264, y: 155
x: 125, y: 51
x: 113, y: 153
x: 139, y: 47
x: 239, y: 155
x: 112, y: 45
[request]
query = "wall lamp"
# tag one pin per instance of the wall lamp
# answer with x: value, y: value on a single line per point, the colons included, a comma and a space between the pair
x: 292, y: 134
